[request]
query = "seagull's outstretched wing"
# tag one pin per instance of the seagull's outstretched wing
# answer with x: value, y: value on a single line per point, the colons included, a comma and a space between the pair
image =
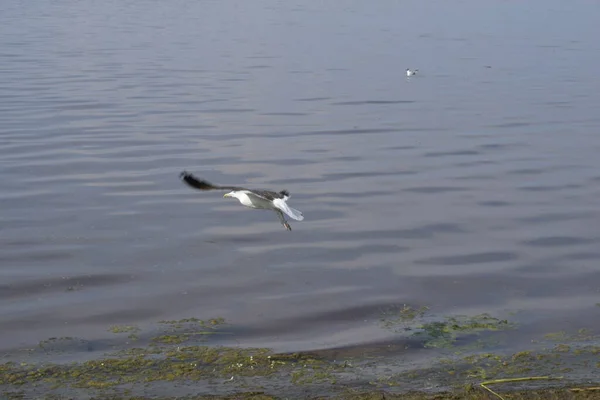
x: 201, y: 184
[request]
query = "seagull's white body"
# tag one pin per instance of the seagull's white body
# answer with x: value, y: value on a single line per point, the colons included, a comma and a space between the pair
x: 411, y: 72
x: 245, y: 200
x: 258, y: 199
x: 265, y: 200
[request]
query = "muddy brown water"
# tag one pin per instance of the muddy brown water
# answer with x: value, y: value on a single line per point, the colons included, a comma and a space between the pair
x: 471, y: 187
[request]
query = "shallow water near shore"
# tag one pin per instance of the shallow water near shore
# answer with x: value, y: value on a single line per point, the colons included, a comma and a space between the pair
x: 470, y: 188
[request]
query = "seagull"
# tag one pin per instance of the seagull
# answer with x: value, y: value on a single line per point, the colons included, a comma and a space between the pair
x: 411, y: 72
x: 259, y: 199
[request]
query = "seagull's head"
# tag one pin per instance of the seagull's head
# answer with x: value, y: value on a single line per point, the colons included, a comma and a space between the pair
x: 230, y: 194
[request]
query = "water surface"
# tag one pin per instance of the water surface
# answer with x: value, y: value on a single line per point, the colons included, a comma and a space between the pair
x: 472, y: 187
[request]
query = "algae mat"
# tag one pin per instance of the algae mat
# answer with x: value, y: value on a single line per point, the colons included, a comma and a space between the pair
x: 180, y: 359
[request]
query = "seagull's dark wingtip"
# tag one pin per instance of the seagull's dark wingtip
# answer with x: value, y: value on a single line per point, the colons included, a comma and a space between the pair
x: 196, y: 183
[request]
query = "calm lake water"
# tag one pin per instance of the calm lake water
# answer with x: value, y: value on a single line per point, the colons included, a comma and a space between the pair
x: 472, y: 187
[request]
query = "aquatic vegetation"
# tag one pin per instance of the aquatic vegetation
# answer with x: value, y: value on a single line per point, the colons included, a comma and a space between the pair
x: 401, y: 315
x: 443, y: 333
x: 165, y: 360
x: 123, y: 329
x: 179, y: 354
x: 582, y: 334
x: 446, y: 333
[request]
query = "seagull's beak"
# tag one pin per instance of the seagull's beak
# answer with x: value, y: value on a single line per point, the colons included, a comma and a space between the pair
x: 226, y: 195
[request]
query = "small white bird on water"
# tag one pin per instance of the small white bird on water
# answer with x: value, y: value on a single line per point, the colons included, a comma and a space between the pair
x: 411, y: 72
x: 258, y: 199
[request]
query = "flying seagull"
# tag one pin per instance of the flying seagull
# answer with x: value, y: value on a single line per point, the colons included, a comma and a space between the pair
x: 411, y: 72
x: 259, y: 199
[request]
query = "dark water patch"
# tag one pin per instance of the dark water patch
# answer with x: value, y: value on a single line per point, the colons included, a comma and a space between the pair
x: 556, y: 241
x: 476, y: 178
x: 582, y: 256
x: 284, y: 114
x: 508, y: 125
x: 557, y: 103
x: 317, y: 254
x: 336, y: 177
x: 314, y: 99
x: 352, y: 175
x: 29, y: 256
x: 372, y: 102
x: 494, y: 203
x: 259, y: 66
x: 475, y: 163
x: 293, y: 181
x: 357, y: 194
x: 379, y: 348
x: 226, y: 110
x: 526, y: 171
x: 420, y: 232
x: 286, y: 161
x: 468, y: 259
x: 528, y: 280
x: 435, y: 189
x: 342, y: 132
x: 429, y: 231
x: 27, y: 288
x: 321, y: 133
x: 262, y: 57
x: 242, y: 239
x: 549, y: 188
x: 189, y: 127
x: 64, y: 344
x: 347, y: 158
x: 86, y: 107
x: 196, y: 101
x: 123, y: 316
x: 452, y: 153
x: 335, y: 315
x: 500, y: 146
x: 554, y: 217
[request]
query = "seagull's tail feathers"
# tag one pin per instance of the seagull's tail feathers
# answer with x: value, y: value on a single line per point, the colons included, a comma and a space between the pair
x: 291, y: 212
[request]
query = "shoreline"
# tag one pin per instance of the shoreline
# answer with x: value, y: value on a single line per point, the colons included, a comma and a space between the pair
x: 182, y: 361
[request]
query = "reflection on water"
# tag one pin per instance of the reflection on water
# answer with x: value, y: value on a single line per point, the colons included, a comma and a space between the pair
x: 470, y: 188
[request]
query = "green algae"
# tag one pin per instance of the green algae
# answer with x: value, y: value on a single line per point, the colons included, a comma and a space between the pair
x: 444, y: 333
x: 166, y: 360
x: 180, y: 356
x: 403, y: 315
x: 581, y: 335
x: 188, y: 329
x: 469, y: 393
x: 123, y: 329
